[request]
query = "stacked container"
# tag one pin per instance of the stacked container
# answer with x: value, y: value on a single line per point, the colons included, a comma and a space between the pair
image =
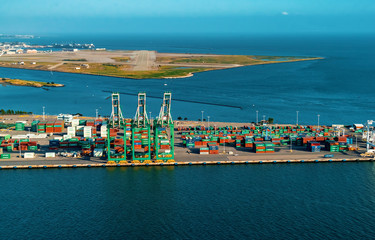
x: 71, y: 131
x: 20, y: 126
x: 58, y: 126
x: 137, y: 138
x: 259, y: 147
x: 204, y: 150
x: 270, y: 147
x: 213, y: 148
x: 249, y: 142
x: 41, y: 127
x: 313, y: 146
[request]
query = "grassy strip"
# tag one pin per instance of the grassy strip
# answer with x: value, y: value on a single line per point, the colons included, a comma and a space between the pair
x: 230, y: 59
x: 120, y: 70
x: 121, y: 59
x: 76, y: 60
x: 27, y: 83
x: 125, y: 71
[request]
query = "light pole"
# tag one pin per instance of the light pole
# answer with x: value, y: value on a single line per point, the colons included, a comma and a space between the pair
x: 150, y: 120
x: 356, y: 145
x: 318, y: 121
x: 368, y: 134
x: 44, y: 117
x: 208, y: 119
x: 224, y: 145
x: 257, y: 116
x: 297, y: 118
x: 202, y: 117
x: 264, y: 118
x: 96, y: 114
x: 291, y: 144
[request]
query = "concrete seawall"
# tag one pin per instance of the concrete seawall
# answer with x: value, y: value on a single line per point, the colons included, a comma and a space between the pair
x: 183, y: 163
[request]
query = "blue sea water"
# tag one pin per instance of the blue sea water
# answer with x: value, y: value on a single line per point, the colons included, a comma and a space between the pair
x: 294, y: 201
x: 339, y: 88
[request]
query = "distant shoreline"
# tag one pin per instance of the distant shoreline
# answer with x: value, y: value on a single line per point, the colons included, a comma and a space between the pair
x: 138, y: 64
x: 28, y: 83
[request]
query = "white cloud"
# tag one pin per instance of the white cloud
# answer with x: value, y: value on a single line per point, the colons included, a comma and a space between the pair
x: 285, y: 13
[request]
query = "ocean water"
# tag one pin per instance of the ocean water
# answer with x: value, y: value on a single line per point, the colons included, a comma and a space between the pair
x: 339, y: 88
x: 283, y: 201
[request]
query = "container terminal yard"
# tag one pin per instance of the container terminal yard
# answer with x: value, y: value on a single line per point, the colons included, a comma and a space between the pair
x: 31, y: 141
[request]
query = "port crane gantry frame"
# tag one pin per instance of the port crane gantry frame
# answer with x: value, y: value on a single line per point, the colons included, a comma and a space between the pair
x: 164, y: 120
x: 141, y: 122
x: 115, y: 121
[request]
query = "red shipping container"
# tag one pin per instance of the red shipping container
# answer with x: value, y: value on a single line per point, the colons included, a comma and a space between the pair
x: 164, y: 146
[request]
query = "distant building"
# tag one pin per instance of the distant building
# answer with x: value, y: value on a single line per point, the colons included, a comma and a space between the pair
x: 31, y: 51
x: 100, y: 49
x: 19, y: 51
x: 11, y: 52
x: 85, y: 65
x: 70, y: 50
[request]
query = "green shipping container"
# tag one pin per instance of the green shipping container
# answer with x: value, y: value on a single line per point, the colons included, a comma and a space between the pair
x: 33, y: 148
x: 5, y: 156
x: 20, y: 126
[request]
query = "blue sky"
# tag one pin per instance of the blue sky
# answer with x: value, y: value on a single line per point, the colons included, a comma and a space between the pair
x: 179, y: 16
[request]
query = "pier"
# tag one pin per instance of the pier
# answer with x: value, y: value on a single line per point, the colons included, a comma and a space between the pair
x: 182, y: 163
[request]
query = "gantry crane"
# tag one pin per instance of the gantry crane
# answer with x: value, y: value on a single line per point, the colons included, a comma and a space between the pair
x: 141, y: 132
x: 165, y: 118
x: 164, y: 131
x: 116, y: 121
x: 141, y: 118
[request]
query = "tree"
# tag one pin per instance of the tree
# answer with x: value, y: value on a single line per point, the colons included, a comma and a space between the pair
x: 204, y: 120
x: 270, y: 120
x: 185, y: 118
x: 179, y: 118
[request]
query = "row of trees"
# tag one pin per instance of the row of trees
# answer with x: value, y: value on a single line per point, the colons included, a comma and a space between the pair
x: 12, y: 112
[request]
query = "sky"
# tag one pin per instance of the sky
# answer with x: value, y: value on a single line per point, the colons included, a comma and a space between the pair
x: 186, y: 16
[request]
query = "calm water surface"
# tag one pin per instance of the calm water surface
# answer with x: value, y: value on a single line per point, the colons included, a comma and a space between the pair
x: 294, y: 201
x: 339, y: 88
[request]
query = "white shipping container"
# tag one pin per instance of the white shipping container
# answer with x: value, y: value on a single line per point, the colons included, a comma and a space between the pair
x: 50, y: 154
x: 87, y: 135
x: 58, y: 138
x: 75, y: 122
x: 204, y: 153
x: 71, y: 131
x: 103, y: 128
x: 44, y: 135
x: 87, y: 131
x: 19, y: 136
x: 87, y: 128
x: 29, y: 155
